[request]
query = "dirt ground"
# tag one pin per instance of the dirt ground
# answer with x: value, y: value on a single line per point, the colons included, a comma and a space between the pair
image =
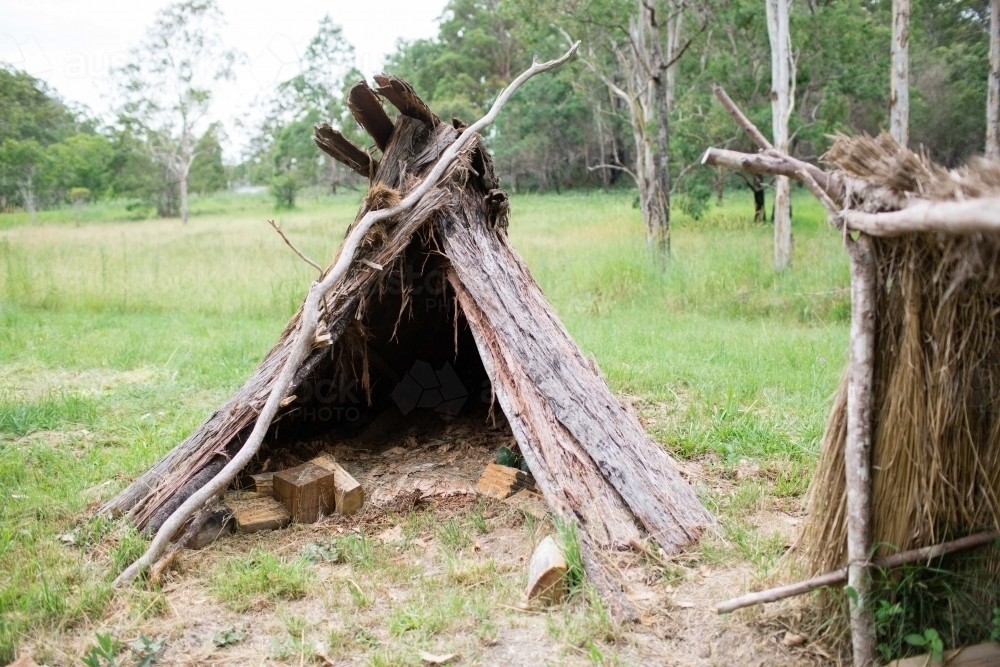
x: 429, y: 569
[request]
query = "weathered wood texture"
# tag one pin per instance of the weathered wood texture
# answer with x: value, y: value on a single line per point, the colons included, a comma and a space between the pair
x: 367, y: 109
x: 254, y: 513
x: 340, y: 148
x: 588, y: 455
x: 349, y: 496
x: 307, y: 491
x: 591, y: 459
x: 501, y: 482
x: 169, y: 482
x: 403, y: 97
x: 858, y: 451
x: 547, y: 573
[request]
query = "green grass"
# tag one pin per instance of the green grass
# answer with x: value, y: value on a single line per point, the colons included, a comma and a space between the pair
x: 243, y: 581
x: 119, y: 336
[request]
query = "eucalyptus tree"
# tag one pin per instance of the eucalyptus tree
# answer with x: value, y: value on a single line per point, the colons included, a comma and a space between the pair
x: 782, y: 105
x: 899, y: 76
x: 993, y: 85
x: 166, y: 87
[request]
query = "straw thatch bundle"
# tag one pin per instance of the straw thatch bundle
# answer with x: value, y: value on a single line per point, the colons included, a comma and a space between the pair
x: 936, y: 444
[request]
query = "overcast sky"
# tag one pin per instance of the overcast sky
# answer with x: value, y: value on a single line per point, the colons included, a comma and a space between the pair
x: 70, y: 44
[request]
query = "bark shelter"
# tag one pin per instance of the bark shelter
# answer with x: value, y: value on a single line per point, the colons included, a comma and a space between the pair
x: 591, y: 458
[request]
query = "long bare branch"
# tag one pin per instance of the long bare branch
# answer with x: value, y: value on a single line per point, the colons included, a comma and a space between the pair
x: 773, y: 163
x: 741, y: 120
x: 308, y: 322
x: 952, y: 217
x: 840, y: 576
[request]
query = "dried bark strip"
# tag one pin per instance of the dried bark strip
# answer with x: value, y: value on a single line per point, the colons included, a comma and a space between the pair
x: 340, y: 148
x: 367, y: 110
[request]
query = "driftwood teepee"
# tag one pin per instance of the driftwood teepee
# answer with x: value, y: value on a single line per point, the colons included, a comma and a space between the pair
x: 434, y: 207
x: 911, y: 453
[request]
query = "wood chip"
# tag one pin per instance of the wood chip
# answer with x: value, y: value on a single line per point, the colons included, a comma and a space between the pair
x: 501, y: 482
x: 547, y: 573
x: 792, y: 639
x: 436, y: 659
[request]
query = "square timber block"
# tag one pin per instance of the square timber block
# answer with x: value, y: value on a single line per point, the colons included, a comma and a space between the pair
x: 307, y: 491
x: 349, y: 495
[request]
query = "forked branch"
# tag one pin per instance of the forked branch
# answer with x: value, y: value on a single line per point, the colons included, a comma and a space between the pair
x: 302, y: 340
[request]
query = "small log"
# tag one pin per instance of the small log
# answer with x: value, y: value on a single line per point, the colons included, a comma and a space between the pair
x: 501, y: 482
x: 24, y: 661
x: 547, y: 573
x: 259, y: 513
x: 348, y: 494
x: 529, y: 502
x: 367, y: 110
x: 980, y: 655
x: 306, y: 490
x: 263, y: 483
x: 402, y: 96
x: 219, y: 523
x: 840, y: 576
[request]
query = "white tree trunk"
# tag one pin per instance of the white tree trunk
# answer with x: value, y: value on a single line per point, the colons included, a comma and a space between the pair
x: 993, y: 88
x: 27, y: 188
x: 186, y: 159
x: 899, y: 79
x: 782, y: 100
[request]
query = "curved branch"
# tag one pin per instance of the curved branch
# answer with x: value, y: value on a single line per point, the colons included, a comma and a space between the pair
x: 303, y: 337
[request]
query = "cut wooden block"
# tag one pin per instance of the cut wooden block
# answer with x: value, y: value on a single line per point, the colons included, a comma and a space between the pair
x: 24, y: 661
x: 253, y: 513
x: 547, y: 573
x: 502, y: 482
x: 529, y: 502
x: 326, y: 461
x: 349, y: 496
x: 980, y: 655
x: 219, y: 523
x: 263, y: 483
x: 306, y: 490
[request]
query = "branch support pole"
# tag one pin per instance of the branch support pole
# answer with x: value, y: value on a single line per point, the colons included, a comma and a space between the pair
x: 857, y: 454
x: 309, y: 321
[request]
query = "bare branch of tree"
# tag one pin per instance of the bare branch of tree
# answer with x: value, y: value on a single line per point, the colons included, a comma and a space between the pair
x: 294, y: 249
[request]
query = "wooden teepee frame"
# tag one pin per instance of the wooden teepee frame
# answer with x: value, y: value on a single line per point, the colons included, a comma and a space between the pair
x: 591, y: 458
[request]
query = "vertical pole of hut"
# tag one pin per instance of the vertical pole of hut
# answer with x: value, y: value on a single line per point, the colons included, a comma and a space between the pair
x: 857, y: 455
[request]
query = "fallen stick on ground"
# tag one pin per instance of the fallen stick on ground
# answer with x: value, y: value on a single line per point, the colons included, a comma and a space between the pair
x: 840, y: 576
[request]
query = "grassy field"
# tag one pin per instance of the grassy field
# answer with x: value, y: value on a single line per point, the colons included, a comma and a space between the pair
x: 117, y: 337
